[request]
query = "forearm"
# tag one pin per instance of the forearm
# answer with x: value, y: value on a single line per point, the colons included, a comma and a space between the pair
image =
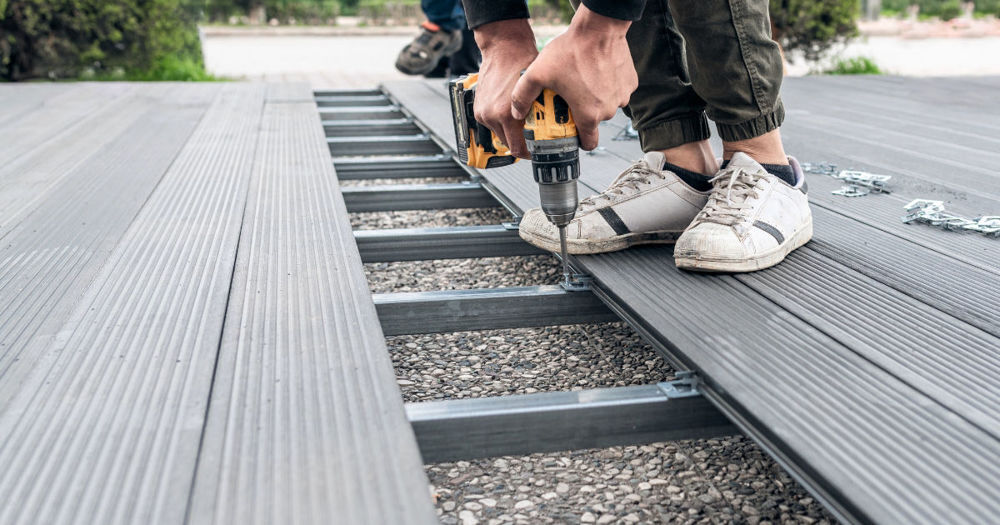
x: 481, y: 12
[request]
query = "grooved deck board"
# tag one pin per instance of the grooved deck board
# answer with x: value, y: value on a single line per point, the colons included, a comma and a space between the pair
x: 306, y: 423
x: 50, y: 255
x: 107, y: 427
x: 839, y: 361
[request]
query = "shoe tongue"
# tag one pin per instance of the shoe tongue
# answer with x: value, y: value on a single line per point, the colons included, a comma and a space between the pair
x: 655, y: 160
x: 742, y: 160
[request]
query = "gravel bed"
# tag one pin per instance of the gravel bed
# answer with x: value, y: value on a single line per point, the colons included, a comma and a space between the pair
x: 728, y: 480
x: 461, y: 274
x: 381, y: 220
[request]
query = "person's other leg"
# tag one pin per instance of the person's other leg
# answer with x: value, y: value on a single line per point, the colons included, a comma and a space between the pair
x: 758, y: 211
x: 441, y: 35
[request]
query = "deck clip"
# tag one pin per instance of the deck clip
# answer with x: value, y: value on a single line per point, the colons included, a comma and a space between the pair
x: 577, y: 283
x: 686, y: 385
x: 512, y: 226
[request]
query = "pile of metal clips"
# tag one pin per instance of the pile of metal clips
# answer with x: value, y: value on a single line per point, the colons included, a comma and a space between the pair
x: 933, y: 213
x: 858, y: 183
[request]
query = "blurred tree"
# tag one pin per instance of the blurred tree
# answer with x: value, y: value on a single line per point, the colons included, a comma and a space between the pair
x: 813, y: 26
x: 65, y: 38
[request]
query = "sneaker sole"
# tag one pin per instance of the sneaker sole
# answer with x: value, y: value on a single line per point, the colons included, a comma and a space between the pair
x: 613, y: 244
x: 451, y: 49
x: 760, y: 262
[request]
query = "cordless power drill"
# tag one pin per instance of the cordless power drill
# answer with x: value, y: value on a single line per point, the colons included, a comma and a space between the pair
x: 550, y: 134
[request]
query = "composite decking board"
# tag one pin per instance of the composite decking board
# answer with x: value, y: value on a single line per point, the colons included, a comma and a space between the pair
x: 107, y: 427
x: 27, y: 178
x: 297, y: 92
x: 886, y: 449
x: 773, y: 344
x: 59, y: 248
x: 18, y: 101
x: 56, y: 115
x: 306, y: 423
x: 913, y: 341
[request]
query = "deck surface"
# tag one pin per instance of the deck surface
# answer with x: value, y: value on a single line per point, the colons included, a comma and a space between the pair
x: 186, y: 333
x: 868, y: 363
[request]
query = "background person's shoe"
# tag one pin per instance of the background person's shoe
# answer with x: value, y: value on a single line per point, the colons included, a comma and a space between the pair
x: 752, y: 220
x: 423, y: 54
x: 644, y: 205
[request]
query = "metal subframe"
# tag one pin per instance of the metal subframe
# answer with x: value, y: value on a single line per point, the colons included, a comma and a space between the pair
x: 417, y: 144
x: 401, y: 167
x: 466, y: 429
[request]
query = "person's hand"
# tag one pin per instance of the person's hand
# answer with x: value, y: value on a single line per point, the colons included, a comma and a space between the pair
x: 590, y: 66
x: 508, y: 47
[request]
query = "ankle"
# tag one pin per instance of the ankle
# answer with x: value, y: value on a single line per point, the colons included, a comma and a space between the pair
x: 693, y: 156
x: 765, y: 149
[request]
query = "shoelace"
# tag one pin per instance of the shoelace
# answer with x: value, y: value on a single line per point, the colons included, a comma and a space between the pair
x: 638, y: 173
x: 730, y: 191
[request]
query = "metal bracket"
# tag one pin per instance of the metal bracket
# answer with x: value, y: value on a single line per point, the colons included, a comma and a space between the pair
x: 512, y: 226
x: 686, y: 385
x: 577, y: 283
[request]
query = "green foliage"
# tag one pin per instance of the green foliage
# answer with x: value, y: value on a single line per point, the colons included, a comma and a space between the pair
x: 943, y: 9
x: 285, y: 11
x: 64, y: 38
x: 854, y: 66
x: 813, y: 26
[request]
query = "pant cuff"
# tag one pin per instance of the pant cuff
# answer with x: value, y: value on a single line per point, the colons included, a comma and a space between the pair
x: 673, y: 133
x: 753, y: 127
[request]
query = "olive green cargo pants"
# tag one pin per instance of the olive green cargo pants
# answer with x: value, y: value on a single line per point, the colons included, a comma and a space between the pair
x: 704, y: 56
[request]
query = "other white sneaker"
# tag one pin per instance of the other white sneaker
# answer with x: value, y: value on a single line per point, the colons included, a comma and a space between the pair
x: 752, y: 220
x: 645, y: 204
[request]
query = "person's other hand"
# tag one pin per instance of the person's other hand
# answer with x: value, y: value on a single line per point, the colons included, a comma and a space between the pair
x: 508, y: 47
x: 590, y: 66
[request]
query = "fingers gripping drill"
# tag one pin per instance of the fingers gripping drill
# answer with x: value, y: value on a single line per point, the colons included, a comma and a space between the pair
x: 551, y: 137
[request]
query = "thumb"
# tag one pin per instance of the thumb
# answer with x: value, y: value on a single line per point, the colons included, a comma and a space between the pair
x: 525, y: 91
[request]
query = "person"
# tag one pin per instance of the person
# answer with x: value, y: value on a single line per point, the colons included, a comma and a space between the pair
x: 445, y: 46
x: 672, y: 65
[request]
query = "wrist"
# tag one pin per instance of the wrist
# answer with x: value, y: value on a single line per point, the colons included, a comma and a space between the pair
x: 588, y: 21
x: 504, y: 34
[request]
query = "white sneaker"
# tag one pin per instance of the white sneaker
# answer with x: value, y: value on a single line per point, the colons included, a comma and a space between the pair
x: 644, y: 205
x: 752, y: 220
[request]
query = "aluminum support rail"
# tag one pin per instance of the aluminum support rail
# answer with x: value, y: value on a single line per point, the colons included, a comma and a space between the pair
x: 397, y: 167
x: 374, y: 112
x: 347, y: 93
x: 419, y: 144
x: 352, y: 101
x: 398, y: 197
x: 457, y: 242
x: 370, y: 128
x: 554, y: 421
x: 487, y: 309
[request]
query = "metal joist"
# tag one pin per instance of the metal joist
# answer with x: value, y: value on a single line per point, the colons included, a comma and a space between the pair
x: 554, y: 421
x: 397, y: 167
x: 352, y: 101
x: 399, y: 197
x: 370, y: 128
x: 417, y: 144
x: 457, y: 242
x: 346, y: 93
x: 487, y: 309
x: 374, y: 112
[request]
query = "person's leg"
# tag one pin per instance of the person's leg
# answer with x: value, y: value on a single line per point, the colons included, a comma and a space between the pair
x: 736, y: 68
x: 658, y: 196
x: 665, y: 109
x: 758, y: 211
x: 446, y: 14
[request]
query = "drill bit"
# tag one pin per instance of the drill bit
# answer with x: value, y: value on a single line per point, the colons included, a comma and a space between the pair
x: 565, y: 258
